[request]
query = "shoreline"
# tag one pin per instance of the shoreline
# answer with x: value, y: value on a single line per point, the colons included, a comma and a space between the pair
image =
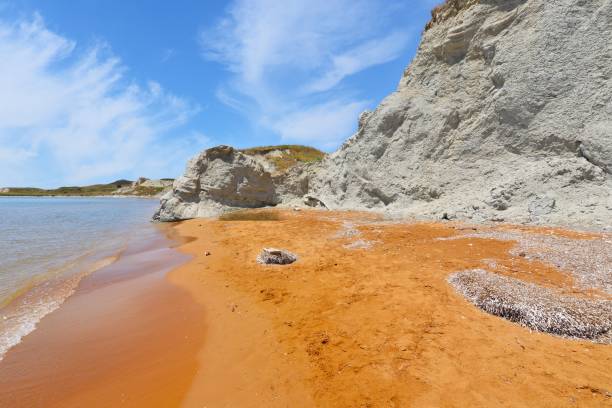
x: 80, y: 196
x: 365, y: 317
x: 48, y: 254
x: 103, y: 346
x: 20, y: 317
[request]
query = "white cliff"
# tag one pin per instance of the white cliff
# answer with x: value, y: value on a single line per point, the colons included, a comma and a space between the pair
x: 505, y: 113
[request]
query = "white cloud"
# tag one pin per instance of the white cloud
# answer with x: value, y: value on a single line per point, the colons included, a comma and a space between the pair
x: 314, y: 124
x: 73, y: 116
x: 356, y: 59
x: 289, y: 60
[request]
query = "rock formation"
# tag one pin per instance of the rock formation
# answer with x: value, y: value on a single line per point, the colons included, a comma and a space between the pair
x: 505, y: 113
x: 223, y: 179
x: 146, y: 187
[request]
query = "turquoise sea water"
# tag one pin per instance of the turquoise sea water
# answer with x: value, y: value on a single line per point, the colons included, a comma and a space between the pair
x: 48, y: 244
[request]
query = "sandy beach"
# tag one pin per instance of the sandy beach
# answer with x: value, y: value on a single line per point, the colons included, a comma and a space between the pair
x: 295, y: 204
x: 127, y: 337
x: 364, y: 318
x: 376, y: 326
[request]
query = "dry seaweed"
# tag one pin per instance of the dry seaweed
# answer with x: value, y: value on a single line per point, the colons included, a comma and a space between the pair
x: 536, y: 307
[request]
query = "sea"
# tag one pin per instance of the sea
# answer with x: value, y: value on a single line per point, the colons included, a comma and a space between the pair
x: 48, y: 244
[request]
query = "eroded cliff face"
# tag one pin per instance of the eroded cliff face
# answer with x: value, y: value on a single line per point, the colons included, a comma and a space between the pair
x: 504, y: 114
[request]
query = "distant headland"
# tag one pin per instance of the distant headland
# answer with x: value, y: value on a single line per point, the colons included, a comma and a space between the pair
x: 143, y: 187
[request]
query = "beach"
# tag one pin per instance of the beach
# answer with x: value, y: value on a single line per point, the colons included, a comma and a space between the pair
x: 364, y: 318
x: 327, y: 204
x: 126, y: 336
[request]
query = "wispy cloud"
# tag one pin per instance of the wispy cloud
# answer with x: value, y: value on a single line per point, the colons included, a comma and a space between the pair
x: 319, y: 124
x: 363, y: 56
x: 289, y: 61
x: 167, y: 54
x: 71, y: 115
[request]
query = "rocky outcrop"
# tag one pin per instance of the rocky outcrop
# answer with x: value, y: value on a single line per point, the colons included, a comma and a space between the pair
x: 223, y: 179
x: 158, y: 183
x: 145, y: 187
x: 504, y: 114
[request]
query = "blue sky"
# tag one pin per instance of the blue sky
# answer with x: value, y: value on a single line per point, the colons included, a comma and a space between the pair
x: 95, y: 90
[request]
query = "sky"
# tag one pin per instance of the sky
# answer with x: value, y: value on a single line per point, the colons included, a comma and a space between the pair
x: 97, y: 90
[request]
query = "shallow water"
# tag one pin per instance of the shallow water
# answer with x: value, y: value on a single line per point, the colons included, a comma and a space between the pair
x: 48, y: 244
x: 127, y: 337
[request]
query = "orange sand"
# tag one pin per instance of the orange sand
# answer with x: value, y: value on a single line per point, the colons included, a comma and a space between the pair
x: 376, y: 327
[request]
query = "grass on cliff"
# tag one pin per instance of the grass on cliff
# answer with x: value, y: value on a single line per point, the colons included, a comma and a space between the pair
x: 291, y: 155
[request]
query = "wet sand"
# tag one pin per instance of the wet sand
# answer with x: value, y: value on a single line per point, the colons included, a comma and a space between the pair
x: 377, y: 326
x: 127, y: 337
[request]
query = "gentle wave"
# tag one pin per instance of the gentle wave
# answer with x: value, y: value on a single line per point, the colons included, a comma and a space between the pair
x: 47, y: 245
x: 20, y: 317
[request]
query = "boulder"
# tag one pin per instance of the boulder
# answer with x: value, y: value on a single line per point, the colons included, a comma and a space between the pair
x: 223, y: 179
x: 273, y: 256
x: 311, y: 201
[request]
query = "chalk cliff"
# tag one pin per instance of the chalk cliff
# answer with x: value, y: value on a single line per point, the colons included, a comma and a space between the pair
x: 505, y: 113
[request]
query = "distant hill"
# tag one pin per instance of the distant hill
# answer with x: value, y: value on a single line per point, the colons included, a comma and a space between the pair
x: 143, y: 187
x: 122, y: 183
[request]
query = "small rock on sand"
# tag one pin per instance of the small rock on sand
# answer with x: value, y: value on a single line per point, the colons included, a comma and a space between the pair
x: 273, y: 256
